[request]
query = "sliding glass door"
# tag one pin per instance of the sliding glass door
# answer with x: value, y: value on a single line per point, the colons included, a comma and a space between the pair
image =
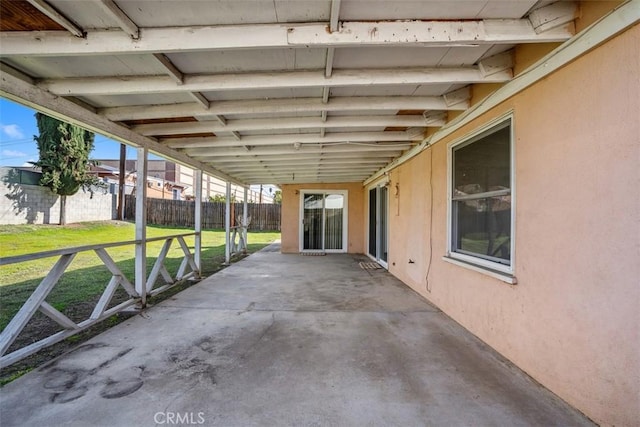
x: 323, y: 221
x: 378, y: 224
x: 312, y: 221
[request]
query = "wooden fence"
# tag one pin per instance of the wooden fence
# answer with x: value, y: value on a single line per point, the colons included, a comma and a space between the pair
x: 264, y: 217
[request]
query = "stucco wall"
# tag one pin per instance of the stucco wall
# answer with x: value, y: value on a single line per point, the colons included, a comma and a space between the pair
x: 291, y: 215
x: 572, y: 321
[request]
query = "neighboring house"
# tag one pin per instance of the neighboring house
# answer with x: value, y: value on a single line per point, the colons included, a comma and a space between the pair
x: 177, y: 181
x: 158, y: 188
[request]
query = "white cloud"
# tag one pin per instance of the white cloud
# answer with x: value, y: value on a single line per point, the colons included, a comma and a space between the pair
x: 13, y: 153
x: 12, y: 131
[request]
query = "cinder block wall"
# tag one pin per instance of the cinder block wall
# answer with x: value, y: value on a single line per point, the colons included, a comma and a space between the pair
x: 32, y: 204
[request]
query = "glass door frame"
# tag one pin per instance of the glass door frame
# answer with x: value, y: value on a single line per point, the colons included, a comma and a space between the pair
x: 345, y: 222
x: 378, y: 255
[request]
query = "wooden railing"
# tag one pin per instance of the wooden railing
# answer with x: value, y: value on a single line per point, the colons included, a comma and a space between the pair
x: 37, y: 301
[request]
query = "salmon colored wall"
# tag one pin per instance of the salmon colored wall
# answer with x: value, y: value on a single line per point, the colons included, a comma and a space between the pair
x: 573, y: 320
x: 590, y: 11
x: 290, y: 216
x: 528, y: 54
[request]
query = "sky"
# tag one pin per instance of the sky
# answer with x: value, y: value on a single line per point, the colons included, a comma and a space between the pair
x: 18, y: 127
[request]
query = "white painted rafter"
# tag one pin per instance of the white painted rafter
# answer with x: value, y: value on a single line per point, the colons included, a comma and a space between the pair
x: 125, y: 23
x: 457, y: 98
x: 255, y: 81
x: 334, y: 15
x: 56, y: 16
x: 178, y: 77
x: 170, y: 68
x: 325, y: 95
x: 435, y: 118
x: 283, y: 106
x: 280, y: 123
x: 289, y: 139
x: 230, y: 164
x: 203, y: 153
x: 496, y: 63
x: 261, y: 36
x: 328, y: 68
x: 333, y: 26
x: 279, y: 177
x: 293, y: 157
x: 292, y: 178
x: 300, y: 169
x: 200, y: 99
x: 208, y: 117
x: 425, y: 33
x: 553, y: 15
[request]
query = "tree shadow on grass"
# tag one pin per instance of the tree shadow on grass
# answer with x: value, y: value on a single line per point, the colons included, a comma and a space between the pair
x: 76, y: 294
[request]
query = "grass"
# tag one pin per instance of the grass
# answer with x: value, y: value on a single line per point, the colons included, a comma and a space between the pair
x: 479, y: 243
x: 86, y: 277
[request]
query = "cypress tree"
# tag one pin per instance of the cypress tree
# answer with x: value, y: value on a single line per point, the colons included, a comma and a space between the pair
x: 64, y: 159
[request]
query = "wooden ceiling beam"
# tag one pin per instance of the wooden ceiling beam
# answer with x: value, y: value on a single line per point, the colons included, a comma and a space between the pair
x: 272, y: 124
x: 284, y: 106
x: 281, y: 80
x: 291, y: 139
x: 262, y: 36
x: 124, y: 22
x: 213, y: 153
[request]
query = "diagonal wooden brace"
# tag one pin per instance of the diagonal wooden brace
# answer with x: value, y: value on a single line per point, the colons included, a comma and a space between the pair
x: 158, y: 267
x: 113, y: 268
x: 34, y: 302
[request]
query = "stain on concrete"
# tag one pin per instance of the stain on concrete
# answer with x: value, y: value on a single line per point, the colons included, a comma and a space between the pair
x: 115, y: 389
x: 69, y: 395
x: 189, y: 364
x: 60, y: 380
x: 81, y: 370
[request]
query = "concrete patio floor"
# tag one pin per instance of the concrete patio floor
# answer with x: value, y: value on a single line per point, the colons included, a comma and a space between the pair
x: 285, y: 340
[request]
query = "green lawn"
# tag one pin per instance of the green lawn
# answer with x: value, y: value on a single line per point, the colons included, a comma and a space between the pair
x: 86, y: 278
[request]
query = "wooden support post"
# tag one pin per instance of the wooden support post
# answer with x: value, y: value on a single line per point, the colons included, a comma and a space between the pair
x: 245, y: 217
x: 198, y: 220
x: 141, y: 226
x: 227, y: 226
x: 121, y: 182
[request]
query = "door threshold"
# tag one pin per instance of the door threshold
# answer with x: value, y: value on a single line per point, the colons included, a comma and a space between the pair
x: 370, y: 265
x: 313, y: 253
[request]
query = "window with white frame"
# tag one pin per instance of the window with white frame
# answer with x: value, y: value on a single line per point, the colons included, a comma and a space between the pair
x: 481, y: 193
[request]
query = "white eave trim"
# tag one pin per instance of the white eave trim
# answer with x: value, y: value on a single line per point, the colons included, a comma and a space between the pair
x: 617, y: 21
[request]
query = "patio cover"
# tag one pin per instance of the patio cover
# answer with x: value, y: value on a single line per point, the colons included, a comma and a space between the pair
x: 267, y: 91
